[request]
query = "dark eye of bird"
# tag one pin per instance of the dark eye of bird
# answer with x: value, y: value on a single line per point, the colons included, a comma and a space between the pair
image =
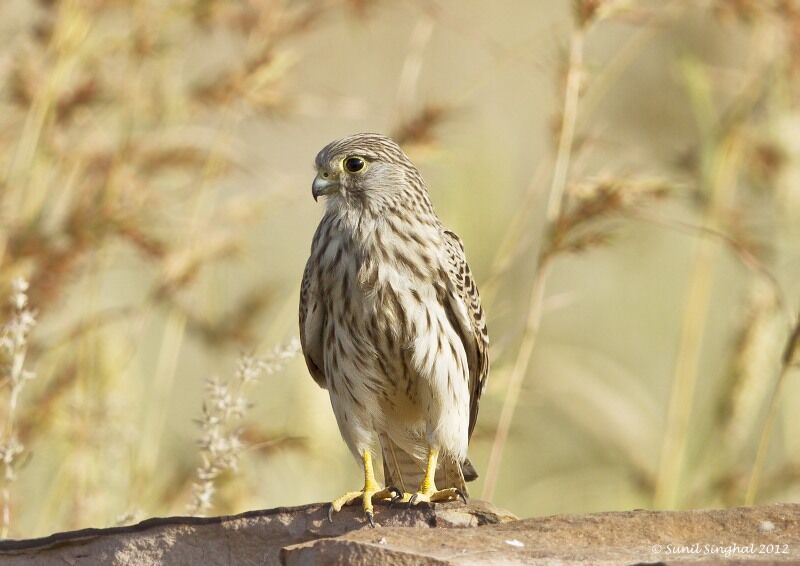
x: 354, y: 164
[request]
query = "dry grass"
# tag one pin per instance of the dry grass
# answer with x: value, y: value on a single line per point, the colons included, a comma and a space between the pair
x: 13, y: 353
x: 721, y: 167
x: 224, y: 408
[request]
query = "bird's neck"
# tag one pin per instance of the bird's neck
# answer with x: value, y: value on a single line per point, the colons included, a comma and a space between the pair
x: 396, y: 239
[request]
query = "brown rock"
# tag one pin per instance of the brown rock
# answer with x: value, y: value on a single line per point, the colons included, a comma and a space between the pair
x: 633, y: 537
x: 255, y: 537
x: 450, y: 533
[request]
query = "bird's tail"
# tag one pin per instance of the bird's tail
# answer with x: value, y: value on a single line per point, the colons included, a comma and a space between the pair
x: 402, y: 470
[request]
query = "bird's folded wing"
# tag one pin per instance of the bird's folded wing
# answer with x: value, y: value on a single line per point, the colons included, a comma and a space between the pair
x: 312, y: 325
x: 465, y: 307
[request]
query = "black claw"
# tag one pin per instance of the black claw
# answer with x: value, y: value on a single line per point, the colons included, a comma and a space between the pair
x: 462, y: 495
x: 397, y: 495
x: 330, y: 513
x: 413, y: 499
x: 370, y: 519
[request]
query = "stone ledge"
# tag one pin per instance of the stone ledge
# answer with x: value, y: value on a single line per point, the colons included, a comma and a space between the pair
x: 254, y: 537
x: 451, y: 533
x: 632, y: 537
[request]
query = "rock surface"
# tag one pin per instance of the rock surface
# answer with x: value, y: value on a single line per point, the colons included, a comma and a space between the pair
x: 450, y: 533
x: 255, y: 537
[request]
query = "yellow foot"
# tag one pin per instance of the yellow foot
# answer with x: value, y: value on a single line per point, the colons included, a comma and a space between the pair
x: 437, y: 495
x: 367, y: 496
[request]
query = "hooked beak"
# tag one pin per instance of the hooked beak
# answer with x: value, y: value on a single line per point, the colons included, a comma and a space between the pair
x: 322, y: 186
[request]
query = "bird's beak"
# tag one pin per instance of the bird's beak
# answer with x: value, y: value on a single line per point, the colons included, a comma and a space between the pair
x: 322, y: 186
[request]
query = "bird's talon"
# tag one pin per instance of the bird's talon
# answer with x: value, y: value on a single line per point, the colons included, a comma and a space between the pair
x: 395, y: 495
x: 431, y: 496
x: 366, y: 496
x: 462, y: 495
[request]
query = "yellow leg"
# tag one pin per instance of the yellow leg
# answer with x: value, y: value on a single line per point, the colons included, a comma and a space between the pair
x: 427, y: 490
x: 371, y: 491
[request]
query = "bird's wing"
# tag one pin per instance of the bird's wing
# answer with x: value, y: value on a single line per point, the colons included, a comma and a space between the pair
x: 464, y: 305
x: 312, y: 325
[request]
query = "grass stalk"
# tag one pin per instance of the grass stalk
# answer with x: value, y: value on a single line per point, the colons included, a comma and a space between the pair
x: 412, y: 67
x: 538, y: 288
x: 13, y: 353
x: 788, y: 363
x: 225, y: 406
x: 695, y: 314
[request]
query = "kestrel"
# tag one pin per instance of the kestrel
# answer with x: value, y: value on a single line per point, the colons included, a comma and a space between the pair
x: 391, y: 324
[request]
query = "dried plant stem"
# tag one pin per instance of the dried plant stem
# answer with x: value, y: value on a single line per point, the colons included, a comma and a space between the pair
x: 653, y: 24
x: 744, y: 255
x: 685, y: 372
x: 68, y: 33
x: 568, y: 121
x: 684, y: 379
x: 161, y: 389
x: 224, y: 408
x: 514, y: 240
x: 13, y: 353
x: 787, y: 365
x: 517, y: 376
x: 554, y: 207
x: 412, y: 67
x: 177, y: 322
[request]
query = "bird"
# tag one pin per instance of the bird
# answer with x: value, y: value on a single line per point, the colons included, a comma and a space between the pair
x: 391, y: 324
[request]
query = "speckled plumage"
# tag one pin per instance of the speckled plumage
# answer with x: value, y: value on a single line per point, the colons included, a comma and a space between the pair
x: 390, y: 318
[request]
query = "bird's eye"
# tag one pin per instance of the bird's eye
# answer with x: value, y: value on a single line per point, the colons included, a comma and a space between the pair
x: 354, y: 164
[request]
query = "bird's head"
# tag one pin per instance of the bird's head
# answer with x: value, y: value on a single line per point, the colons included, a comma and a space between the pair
x: 363, y: 168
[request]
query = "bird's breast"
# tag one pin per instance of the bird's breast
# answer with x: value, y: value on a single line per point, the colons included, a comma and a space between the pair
x: 376, y: 276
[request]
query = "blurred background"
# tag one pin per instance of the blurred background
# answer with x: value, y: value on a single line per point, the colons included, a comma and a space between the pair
x: 625, y: 176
